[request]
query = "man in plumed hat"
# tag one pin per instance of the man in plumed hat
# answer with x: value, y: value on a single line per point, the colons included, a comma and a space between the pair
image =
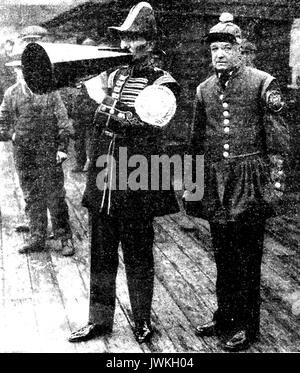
x: 137, y: 102
x: 239, y: 127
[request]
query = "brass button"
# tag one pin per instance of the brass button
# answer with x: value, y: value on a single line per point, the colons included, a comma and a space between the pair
x: 277, y: 185
x: 226, y: 129
x: 226, y: 146
x: 221, y: 97
x: 225, y: 154
x: 226, y: 113
x: 225, y: 105
x: 226, y: 122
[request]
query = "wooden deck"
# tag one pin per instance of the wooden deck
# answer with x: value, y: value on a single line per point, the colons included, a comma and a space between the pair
x: 44, y: 296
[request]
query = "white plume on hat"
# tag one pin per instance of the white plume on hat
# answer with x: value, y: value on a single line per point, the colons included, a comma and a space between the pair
x: 140, y: 20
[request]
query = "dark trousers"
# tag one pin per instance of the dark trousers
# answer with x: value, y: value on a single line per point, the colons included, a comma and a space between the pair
x: 238, y: 252
x: 81, y: 143
x: 136, y: 238
x: 42, y: 183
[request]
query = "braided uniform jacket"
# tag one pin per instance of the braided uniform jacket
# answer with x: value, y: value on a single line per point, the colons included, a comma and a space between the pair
x: 110, y: 137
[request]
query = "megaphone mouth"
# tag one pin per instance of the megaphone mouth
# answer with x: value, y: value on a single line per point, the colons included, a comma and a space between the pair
x: 37, y: 68
x: 51, y: 66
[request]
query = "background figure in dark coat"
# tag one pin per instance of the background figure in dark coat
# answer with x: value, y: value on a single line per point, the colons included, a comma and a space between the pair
x: 124, y: 213
x: 248, y: 50
x: 239, y: 128
x: 82, y: 112
x: 40, y: 130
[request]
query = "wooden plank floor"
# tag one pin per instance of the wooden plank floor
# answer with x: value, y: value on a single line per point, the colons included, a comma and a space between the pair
x: 44, y: 296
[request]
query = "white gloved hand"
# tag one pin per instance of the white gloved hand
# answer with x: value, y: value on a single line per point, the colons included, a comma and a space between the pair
x: 94, y: 90
x: 61, y: 157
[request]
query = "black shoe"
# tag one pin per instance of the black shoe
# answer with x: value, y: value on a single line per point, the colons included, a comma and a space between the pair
x: 240, y: 341
x: 88, y: 332
x: 143, y: 331
x: 33, y: 246
x: 207, y: 330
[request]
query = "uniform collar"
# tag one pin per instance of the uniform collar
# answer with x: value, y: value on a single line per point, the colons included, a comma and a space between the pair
x: 234, y: 71
x: 230, y: 74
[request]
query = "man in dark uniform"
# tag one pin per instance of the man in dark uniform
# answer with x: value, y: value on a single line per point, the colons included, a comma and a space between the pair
x: 125, y: 214
x: 40, y: 130
x: 239, y: 128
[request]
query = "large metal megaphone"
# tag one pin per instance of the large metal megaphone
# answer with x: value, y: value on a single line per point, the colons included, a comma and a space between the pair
x: 50, y: 66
